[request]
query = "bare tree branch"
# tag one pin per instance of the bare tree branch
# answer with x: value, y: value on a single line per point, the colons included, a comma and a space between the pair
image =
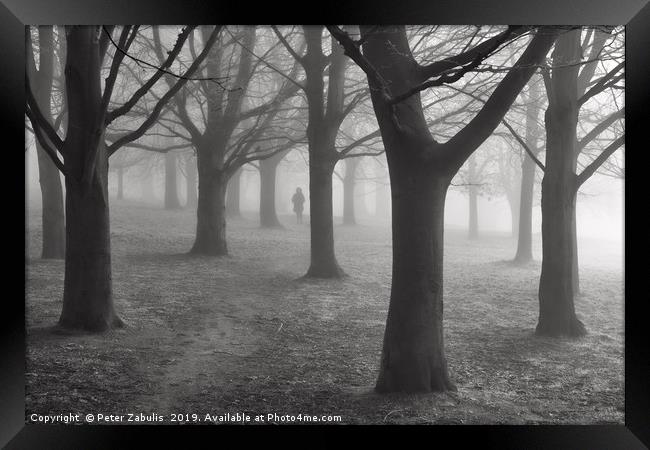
x: 480, y: 52
x: 275, y: 69
x: 45, y: 143
x: 524, y: 145
x: 165, y: 98
x: 126, y: 107
x: 38, y: 119
x: 603, y: 83
x: 600, y: 159
x: 286, y: 45
x: 124, y: 43
x: 602, y: 126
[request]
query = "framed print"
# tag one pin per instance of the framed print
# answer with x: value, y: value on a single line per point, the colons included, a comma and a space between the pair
x: 229, y: 223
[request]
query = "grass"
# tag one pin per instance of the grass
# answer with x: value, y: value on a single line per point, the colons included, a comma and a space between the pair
x: 245, y: 334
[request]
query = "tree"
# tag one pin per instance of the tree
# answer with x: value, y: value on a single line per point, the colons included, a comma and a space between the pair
x: 524, y: 252
x: 323, y: 122
x: 223, y: 128
x: 87, y: 292
x: 567, y: 90
x: 233, y: 193
x: 327, y: 109
x: 473, y: 199
x: 349, y: 182
x: 171, y: 183
x: 190, y: 179
x: 528, y: 161
x: 508, y: 182
x: 120, y: 163
x: 421, y: 170
x: 268, y: 168
x: 362, y: 181
x: 473, y: 178
x: 358, y: 129
x: 53, y: 220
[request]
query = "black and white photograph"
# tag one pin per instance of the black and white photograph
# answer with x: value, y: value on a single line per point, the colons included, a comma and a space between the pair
x: 393, y: 224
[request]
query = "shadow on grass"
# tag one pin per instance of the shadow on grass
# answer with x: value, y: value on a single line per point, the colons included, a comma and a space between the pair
x: 399, y: 407
x: 511, y: 343
x: 56, y: 331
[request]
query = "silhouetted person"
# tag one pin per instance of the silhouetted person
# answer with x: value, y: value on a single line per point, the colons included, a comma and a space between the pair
x: 298, y: 200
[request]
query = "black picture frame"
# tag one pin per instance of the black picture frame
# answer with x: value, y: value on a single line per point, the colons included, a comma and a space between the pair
x: 15, y: 14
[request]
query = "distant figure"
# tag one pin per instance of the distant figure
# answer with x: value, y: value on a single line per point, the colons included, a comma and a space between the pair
x: 298, y: 199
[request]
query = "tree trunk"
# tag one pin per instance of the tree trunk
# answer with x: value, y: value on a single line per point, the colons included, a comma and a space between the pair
x: 323, y: 259
x: 413, y: 358
x: 528, y: 167
x: 120, y: 183
x: 348, y: 192
x: 53, y: 221
x: 514, y: 218
x: 557, y: 315
x: 361, y: 205
x: 512, y: 195
x: 87, y: 292
x: 87, y: 287
x: 322, y: 128
x: 575, y: 267
x: 525, y: 239
x: 148, y: 190
x: 171, y: 185
x: 473, y: 213
x: 233, y: 194
x: 210, y: 214
x: 268, y: 216
x: 348, y: 202
x: 282, y: 199
x: 473, y: 198
x: 190, y: 178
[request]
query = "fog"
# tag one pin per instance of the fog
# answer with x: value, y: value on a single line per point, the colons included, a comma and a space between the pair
x: 600, y: 205
x: 278, y: 220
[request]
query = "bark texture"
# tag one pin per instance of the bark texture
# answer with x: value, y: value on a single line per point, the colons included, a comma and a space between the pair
x: 87, y: 291
x: 268, y: 215
x: 413, y: 357
x: 323, y: 123
x: 211, y: 209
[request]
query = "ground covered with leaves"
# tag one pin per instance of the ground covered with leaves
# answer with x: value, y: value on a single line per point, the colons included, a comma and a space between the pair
x: 245, y: 334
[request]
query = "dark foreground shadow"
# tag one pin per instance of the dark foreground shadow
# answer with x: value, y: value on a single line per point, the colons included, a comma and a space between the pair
x: 56, y: 331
